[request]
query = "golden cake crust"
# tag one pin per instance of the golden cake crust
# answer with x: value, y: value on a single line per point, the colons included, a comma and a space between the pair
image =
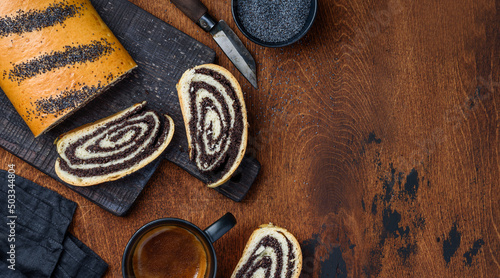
x: 43, y: 91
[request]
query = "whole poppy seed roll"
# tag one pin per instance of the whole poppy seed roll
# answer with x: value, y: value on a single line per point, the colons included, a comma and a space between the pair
x: 55, y: 57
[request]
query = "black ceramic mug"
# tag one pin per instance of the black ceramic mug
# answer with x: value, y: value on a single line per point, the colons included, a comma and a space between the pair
x: 172, y: 247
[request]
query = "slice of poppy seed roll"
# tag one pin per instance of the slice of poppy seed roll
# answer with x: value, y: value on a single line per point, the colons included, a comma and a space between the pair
x: 271, y: 252
x: 113, y: 147
x: 215, y: 119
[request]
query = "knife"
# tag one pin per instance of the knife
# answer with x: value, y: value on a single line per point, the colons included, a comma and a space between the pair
x: 223, y: 35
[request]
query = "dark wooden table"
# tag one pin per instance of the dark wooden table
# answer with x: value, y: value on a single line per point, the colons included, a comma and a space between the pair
x: 379, y: 138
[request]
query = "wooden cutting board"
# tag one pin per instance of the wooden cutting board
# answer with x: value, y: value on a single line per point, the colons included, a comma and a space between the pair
x: 163, y: 53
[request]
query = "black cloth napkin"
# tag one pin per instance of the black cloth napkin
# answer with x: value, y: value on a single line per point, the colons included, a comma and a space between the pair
x: 35, y: 220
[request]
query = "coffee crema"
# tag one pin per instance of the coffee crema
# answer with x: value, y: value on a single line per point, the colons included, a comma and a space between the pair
x: 170, y: 251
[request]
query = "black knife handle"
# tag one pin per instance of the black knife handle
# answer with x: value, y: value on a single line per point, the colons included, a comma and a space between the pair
x: 194, y: 9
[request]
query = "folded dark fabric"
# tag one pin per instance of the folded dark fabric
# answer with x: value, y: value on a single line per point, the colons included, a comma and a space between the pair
x: 36, y: 242
x: 77, y: 260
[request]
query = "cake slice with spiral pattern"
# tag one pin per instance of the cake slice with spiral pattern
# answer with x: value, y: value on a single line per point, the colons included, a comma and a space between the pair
x: 215, y: 119
x: 112, y: 147
x: 271, y: 252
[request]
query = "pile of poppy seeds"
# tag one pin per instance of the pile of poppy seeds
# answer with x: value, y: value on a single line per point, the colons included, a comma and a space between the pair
x: 273, y: 20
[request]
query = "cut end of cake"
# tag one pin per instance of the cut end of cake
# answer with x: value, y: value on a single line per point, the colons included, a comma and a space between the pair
x: 41, y: 128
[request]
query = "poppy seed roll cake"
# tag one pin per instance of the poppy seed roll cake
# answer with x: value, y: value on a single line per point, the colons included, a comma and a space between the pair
x: 56, y: 56
x: 215, y: 119
x: 271, y: 252
x: 112, y: 147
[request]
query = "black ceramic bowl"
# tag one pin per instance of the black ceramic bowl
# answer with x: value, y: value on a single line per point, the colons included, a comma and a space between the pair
x: 309, y: 21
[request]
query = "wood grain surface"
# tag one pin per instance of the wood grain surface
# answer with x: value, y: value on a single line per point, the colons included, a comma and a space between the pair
x: 379, y: 139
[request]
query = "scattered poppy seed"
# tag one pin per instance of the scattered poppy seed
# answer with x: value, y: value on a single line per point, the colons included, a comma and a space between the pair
x: 56, y: 59
x: 37, y: 19
x: 67, y: 99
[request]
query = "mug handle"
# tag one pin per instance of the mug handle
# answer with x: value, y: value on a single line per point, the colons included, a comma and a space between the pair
x: 220, y: 227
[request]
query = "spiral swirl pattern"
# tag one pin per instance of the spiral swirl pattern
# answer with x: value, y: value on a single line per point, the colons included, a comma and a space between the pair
x: 216, y: 121
x: 269, y: 254
x: 113, y: 148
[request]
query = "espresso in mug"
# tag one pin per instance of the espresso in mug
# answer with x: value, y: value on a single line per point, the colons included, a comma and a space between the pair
x: 170, y: 251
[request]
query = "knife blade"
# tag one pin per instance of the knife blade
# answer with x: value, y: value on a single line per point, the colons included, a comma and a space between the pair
x: 227, y: 40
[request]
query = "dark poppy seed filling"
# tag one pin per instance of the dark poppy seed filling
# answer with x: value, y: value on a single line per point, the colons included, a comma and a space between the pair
x: 269, y: 257
x: 71, y: 55
x: 291, y: 257
x: 116, y: 145
x: 271, y: 252
x: 216, y: 124
x: 34, y: 20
